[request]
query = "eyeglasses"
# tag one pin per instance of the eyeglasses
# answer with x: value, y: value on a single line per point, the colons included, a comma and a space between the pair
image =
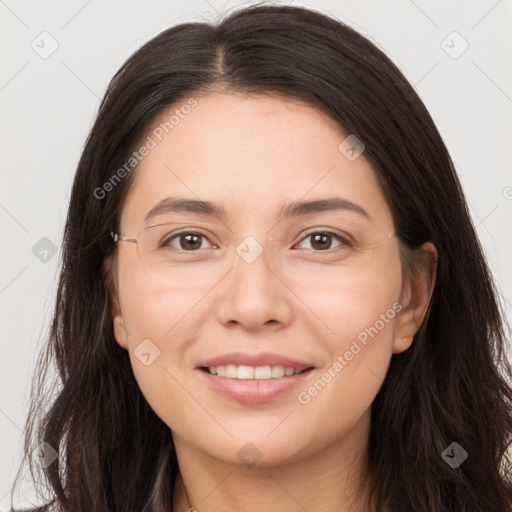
x: 190, y: 254
x: 162, y: 258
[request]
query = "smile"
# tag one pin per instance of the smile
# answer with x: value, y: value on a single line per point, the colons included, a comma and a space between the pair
x: 246, y: 372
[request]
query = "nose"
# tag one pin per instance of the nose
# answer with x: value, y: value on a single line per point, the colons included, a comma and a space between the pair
x: 253, y: 294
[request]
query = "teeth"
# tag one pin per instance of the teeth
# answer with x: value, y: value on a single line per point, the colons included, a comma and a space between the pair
x: 277, y: 371
x: 232, y: 371
x: 262, y: 372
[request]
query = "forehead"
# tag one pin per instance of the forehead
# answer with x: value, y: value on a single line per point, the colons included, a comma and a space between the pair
x: 251, y: 154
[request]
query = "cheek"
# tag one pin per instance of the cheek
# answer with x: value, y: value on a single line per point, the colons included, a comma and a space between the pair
x: 360, y: 311
x: 153, y: 308
x: 348, y: 299
x: 159, y: 320
x: 155, y: 314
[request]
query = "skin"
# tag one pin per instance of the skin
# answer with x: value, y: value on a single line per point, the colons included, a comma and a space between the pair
x: 252, y: 155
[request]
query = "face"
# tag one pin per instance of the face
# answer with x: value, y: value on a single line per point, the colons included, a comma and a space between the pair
x: 259, y: 283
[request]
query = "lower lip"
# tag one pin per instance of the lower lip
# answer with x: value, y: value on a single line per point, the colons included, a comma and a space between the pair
x: 253, y: 391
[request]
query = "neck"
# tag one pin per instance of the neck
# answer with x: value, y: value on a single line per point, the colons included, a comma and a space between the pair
x: 335, y: 479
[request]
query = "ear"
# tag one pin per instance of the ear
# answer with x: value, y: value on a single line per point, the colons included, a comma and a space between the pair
x: 417, y: 290
x: 120, y: 332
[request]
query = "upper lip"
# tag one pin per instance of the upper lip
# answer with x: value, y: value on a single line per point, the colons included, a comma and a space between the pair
x: 260, y: 359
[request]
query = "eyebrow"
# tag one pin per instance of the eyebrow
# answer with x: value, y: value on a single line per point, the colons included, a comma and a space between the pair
x: 301, y: 208
x: 295, y: 209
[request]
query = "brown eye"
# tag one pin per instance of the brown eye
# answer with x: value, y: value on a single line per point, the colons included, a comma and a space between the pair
x: 323, y: 240
x: 188, y: 241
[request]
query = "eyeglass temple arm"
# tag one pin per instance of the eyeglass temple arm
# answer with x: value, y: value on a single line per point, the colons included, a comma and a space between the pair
x: 117, y: 237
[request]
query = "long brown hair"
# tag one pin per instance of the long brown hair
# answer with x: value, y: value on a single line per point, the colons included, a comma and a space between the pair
x: 115, y: 454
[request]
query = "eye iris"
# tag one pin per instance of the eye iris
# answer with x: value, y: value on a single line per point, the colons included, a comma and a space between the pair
x: 321, y: 239
x: 190, y: 244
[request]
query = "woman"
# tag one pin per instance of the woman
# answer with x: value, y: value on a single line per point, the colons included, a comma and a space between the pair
x: 272, y: 294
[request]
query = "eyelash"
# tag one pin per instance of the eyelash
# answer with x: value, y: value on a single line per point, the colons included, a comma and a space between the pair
x: 344, y: 242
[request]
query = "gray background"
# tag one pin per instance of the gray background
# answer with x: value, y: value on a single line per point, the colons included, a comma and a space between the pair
x: 48, y: 103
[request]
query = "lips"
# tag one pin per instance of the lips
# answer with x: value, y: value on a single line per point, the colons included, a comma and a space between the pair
x: 286, y: 375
